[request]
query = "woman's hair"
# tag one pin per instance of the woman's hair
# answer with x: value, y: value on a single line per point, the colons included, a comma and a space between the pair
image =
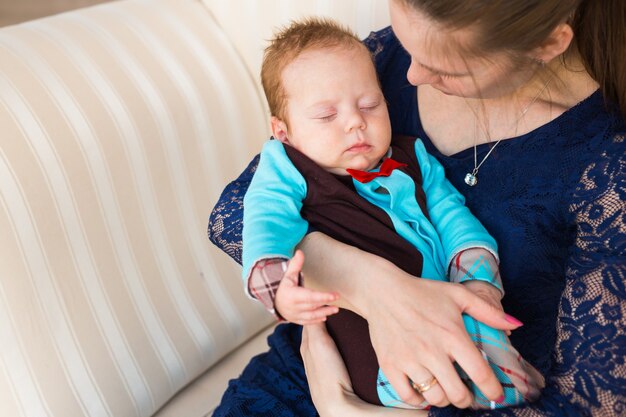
x: 519, y: 26
x: 289, y: 43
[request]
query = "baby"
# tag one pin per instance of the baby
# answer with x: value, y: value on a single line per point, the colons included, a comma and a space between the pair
x: 333, y: 168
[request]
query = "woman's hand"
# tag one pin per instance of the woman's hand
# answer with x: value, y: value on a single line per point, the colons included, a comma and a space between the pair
x: 415, y: 325
x: 329, y: 382
x: 326, y: 373
x: 418, y: 333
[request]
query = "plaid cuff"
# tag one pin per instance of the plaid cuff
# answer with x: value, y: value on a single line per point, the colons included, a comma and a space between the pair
x: 265, y: 276
x: 475, y: 264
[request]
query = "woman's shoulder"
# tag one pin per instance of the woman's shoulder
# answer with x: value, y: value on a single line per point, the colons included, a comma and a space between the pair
x: 392, y: 63
x: 605, y: 130
x: 381, y: 41
x: 590, y: 125
x: 598, y: 142
x: 388, y: 53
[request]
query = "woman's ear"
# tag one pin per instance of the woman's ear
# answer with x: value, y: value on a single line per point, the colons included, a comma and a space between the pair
x: 555, y: 45
x: 279, y: 130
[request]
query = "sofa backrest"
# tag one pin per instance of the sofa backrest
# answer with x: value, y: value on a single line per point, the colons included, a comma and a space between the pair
x: 119, y: 126
x: 249, y: 24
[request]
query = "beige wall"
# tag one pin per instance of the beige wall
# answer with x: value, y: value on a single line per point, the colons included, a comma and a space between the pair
x: 16, y: 11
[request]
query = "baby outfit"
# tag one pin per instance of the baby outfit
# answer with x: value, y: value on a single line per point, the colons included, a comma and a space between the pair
x: 410, y: 215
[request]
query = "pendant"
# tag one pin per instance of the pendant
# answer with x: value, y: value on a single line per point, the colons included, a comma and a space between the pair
x: 471, y: 180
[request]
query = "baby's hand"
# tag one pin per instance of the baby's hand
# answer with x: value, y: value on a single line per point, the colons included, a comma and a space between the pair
x: 298, y: 304
x: 486, y: 291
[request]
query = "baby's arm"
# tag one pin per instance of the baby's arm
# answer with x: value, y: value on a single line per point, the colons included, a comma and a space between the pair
x: 276, y: 283
x: 272, y: 228
x: 471, y: 250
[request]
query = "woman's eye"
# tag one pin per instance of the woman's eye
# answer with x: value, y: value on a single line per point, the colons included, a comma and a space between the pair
x: 440, y: 75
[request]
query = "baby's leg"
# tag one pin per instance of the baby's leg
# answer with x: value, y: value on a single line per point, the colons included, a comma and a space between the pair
x: 520, y: 380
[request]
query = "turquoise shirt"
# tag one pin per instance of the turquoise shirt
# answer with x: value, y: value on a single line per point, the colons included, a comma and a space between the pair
x: 273, y: 225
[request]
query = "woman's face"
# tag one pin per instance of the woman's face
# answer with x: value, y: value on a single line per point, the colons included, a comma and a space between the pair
x: 437, y: 59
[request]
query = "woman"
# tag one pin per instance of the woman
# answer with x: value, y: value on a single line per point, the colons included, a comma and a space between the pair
x: 524, y: 104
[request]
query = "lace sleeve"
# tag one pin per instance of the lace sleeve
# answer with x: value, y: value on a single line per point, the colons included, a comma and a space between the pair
x: 591, y: 343
x: 589, y: 373
x: 226, y: 219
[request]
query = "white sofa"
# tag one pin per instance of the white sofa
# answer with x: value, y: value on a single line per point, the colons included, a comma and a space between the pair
x: 120, y: 124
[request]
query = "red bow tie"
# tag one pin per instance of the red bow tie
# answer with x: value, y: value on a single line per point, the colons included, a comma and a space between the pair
x: 386, y: 168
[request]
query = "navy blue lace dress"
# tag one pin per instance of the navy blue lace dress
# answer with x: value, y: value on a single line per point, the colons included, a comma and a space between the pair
x: 555, y: 200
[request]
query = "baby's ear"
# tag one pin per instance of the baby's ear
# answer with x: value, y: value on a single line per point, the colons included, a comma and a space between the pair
x: 279, y: 130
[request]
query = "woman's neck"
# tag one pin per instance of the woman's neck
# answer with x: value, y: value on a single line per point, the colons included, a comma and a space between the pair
x: 456, y: 123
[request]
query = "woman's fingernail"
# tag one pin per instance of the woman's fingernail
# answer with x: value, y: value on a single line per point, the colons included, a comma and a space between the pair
x: 513, y: 320
x: 500, y: 399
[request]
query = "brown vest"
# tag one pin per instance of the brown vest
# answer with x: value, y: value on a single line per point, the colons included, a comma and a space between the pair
x: 332, y: 206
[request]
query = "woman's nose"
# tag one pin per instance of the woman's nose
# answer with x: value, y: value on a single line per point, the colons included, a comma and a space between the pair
x: 417, y: 75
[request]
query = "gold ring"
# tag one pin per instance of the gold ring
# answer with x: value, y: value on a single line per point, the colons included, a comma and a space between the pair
x: 424, y: 386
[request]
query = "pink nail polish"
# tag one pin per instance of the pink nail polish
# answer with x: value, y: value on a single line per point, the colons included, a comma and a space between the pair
x: 513, y: 320
x: 500, y: 399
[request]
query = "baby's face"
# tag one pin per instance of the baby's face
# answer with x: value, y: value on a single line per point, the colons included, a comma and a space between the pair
x: 336, y: 111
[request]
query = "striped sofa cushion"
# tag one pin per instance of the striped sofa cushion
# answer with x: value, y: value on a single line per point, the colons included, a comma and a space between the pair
x: 119, y: 126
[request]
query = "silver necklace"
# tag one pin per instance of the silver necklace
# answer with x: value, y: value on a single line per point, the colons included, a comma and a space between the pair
x: 471, y: 178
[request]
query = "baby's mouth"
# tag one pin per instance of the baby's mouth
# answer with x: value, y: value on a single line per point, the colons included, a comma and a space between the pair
x: 360, y: 147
